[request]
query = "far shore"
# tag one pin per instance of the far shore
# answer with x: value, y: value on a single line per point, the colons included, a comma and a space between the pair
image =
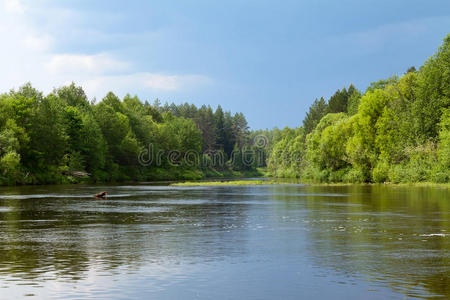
x: 293, y: 181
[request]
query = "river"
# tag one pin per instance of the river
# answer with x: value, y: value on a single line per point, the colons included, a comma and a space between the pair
x: 226, y: 242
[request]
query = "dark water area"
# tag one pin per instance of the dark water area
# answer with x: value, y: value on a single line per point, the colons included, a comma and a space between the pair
x: 239, y: 242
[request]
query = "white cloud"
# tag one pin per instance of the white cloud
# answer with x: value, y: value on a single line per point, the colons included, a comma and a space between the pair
x: 171, y: 82
x: 38, y: 42
x: 28, y: 55
x: 134, y: 82
x: 13, y: 6
x: 91, y: 64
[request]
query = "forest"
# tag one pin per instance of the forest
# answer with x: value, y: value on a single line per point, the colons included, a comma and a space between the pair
x: 63, y: 137
x: 397, y: 130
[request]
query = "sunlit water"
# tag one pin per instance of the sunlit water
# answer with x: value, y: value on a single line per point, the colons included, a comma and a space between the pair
x: 240, y: 242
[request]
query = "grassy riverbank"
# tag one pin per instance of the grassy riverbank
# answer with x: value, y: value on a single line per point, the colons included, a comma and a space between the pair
x: 225, y: 183
x: 291, y: 181
x: 412, y: 184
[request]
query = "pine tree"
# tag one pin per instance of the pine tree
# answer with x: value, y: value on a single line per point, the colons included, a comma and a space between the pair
x: 229, y: 136
x: 338, y: 102
x: 220, y: 128
x: 316, y: 111
x: 240, y: 129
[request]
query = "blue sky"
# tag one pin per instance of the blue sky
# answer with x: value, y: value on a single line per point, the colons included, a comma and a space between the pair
x: 268, y: 59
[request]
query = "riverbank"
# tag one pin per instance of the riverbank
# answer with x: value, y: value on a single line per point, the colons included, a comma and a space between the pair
x: 232, y: 182
x: 417, y: 184
x: 224, y: 183
x: 153, y: 175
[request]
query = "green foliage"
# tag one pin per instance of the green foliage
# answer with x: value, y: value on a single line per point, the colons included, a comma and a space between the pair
x: 326, y: 144
x: 382, y: 84
x: 285, y: 158
x: 419, y: 166
x: 48, y: 138
x: 74, y: 161
x: 433, y: 92
x: 393, y: 128
x: 64, y: 138
x: 398, y: 131
x: 10, y: 168
x: 380, y: 172
x: 353, y: 102
x: 225, y: 183
x: 442, y: 173
x: 73, y: 96
x: 338, y: 102
x: 326, y: 158
x: 9, y: 137
x: 444, y: 139
x: 92, y: 146
x: 316, y: 111
x: 361, y: 148
x: 240, y: 130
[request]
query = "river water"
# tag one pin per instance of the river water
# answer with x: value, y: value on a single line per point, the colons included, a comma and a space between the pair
x: 238, y: 242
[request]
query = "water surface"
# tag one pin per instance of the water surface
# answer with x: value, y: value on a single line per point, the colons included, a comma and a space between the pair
x: 239, y: 242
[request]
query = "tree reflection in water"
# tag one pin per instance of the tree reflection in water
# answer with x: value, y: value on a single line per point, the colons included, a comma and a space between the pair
x: 395, y: 237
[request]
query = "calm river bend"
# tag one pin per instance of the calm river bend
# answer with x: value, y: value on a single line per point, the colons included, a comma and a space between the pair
x: 238, y: 242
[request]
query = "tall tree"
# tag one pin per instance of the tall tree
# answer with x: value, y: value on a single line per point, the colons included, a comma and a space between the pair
x: 229, y: 138
x: 220, y: 128
x: 353, y: 102
x: 240, y: 130
x: 73, y: 95
x: 433, y: 92
x: 206, y: 122
x: 316, y: 112
x: 338, y: 102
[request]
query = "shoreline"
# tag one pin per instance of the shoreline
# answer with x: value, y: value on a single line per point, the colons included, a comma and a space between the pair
x: 268, y: 181
x: 246, y: 179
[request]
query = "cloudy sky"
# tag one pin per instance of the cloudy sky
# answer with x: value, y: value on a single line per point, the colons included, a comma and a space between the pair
x: 268, y: 59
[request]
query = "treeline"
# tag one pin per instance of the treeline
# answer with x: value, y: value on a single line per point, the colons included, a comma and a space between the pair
x: 63, y: 137
x: 398, y: 130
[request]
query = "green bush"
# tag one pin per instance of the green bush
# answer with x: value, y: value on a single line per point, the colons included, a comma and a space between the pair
x: 10, y: 168
x: 381, y: 172
x: 356, y: 175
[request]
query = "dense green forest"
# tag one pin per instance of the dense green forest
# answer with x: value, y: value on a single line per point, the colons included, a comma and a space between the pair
x: 398, y: 130
x: 65, y: 138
